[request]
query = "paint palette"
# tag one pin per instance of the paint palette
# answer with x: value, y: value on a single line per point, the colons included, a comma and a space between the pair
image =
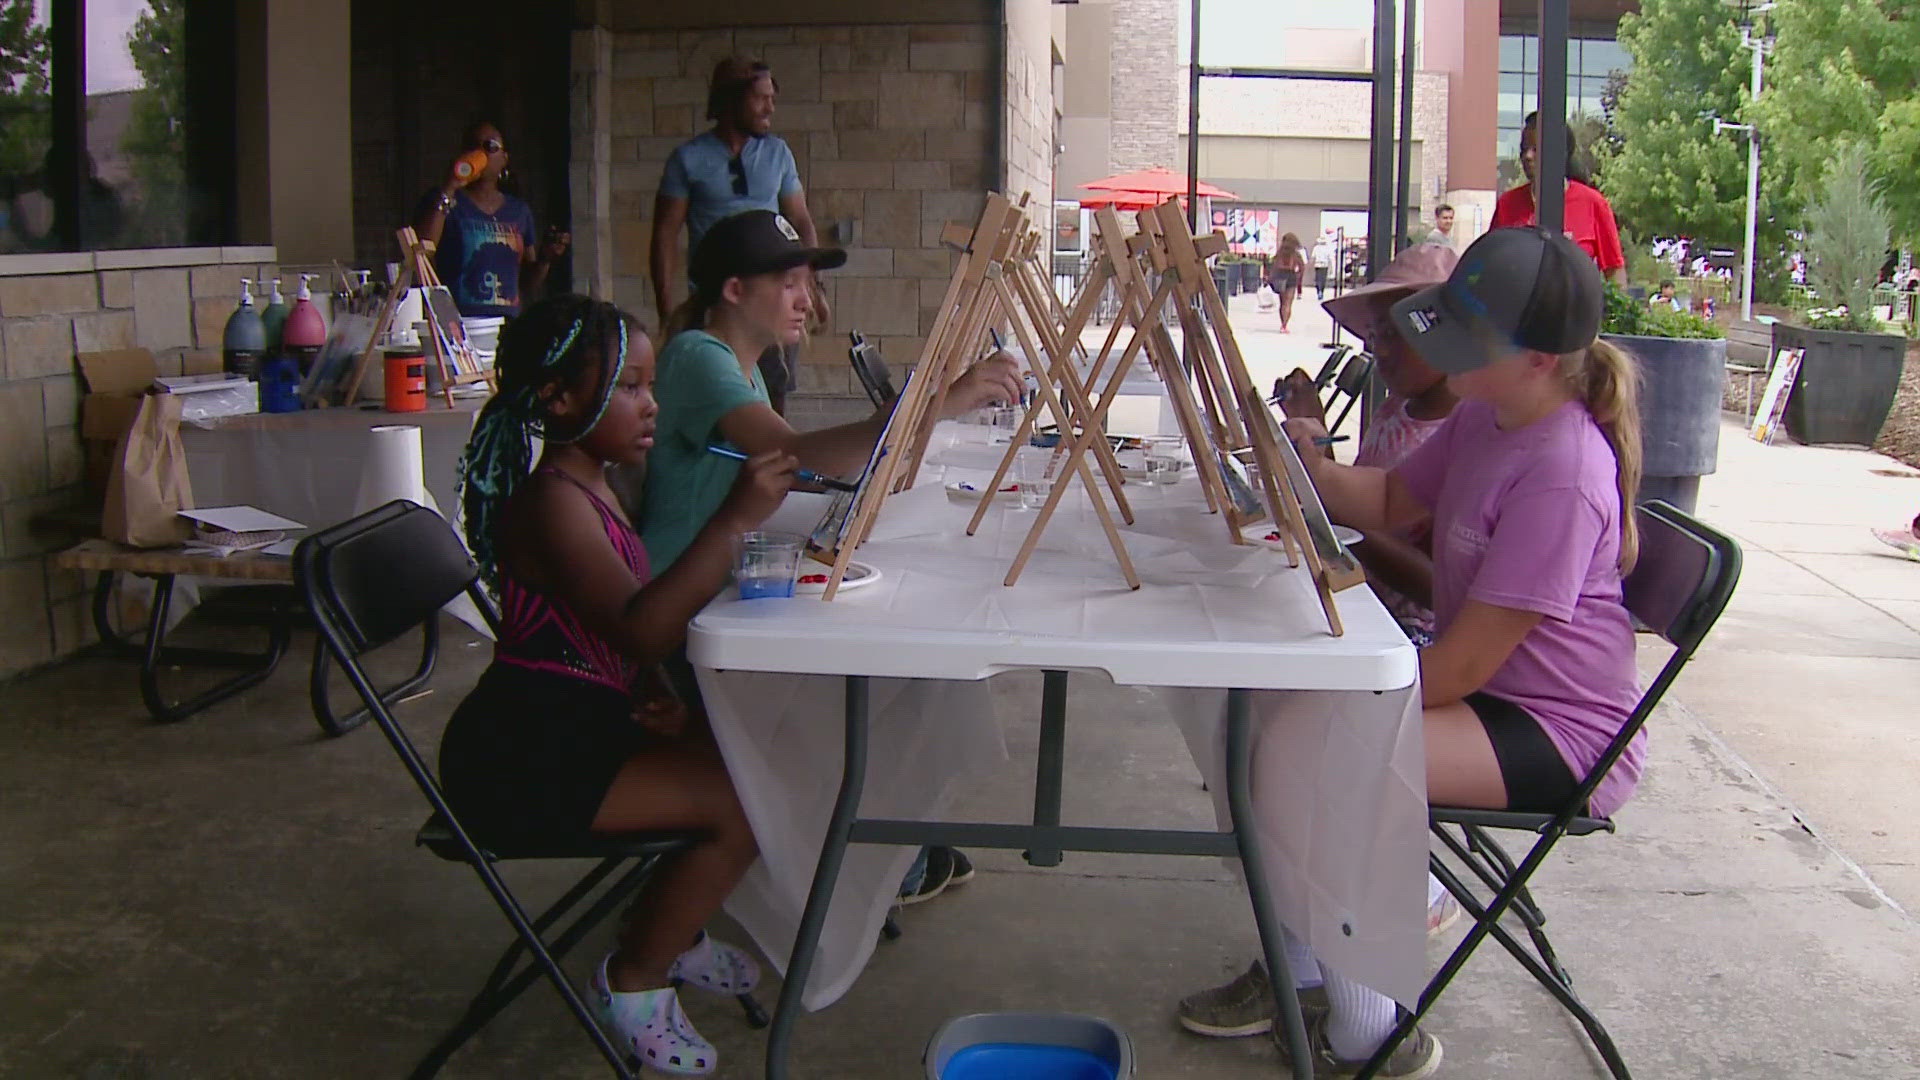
x: 813, y: 578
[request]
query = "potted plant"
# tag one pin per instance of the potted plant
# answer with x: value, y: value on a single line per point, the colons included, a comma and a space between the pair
x: 1850, y: 369
x: 1682, y: 360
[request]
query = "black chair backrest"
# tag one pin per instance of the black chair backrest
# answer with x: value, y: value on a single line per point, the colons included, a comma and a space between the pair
x: 1336, y: 354
x: 1686, y: 573
x: 1352, y: 380
x: 870, y: 369
x: 372, y: 578
x: 1684, y: 577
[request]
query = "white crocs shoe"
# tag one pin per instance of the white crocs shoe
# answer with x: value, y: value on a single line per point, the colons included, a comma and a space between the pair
x: 650, y: 1025
x: 716, y: 967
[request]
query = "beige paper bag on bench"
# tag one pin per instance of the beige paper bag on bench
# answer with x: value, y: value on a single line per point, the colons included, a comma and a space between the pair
x: 148, y: 486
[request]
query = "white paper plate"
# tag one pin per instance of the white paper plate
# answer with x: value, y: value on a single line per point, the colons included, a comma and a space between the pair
x: 970, y: 493
x: 1258, y: 534
x: 859, y: 576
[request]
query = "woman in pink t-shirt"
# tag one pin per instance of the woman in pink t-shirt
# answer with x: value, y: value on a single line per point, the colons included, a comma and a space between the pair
x: 1528, y: 489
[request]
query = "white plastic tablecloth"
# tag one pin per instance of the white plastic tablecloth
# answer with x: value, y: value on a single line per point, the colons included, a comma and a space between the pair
x: 1339, y: 778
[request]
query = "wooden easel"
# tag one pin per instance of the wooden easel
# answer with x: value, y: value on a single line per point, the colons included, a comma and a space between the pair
x: 960, y: 323
x: 455, y: 362
x: 1241, y: 411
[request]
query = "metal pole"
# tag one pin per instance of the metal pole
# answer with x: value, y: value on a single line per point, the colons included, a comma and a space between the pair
x: 1758, y: 45
x: 1193, y: 121
x: 1380, y: 148
x: 1550, y: 178
x: 1406, y: 125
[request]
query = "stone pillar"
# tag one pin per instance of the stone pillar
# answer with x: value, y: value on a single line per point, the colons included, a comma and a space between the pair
x: 591, y: 171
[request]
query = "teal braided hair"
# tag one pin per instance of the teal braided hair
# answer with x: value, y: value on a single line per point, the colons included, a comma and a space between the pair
x: 554, y: 342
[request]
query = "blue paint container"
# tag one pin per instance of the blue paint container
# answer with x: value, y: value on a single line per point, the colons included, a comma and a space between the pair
x: 1029, y: 1046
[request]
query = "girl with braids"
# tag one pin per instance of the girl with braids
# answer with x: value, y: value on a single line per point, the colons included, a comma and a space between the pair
x: 1529, y: 488
x: 550, y: 745
x: 751, y: 280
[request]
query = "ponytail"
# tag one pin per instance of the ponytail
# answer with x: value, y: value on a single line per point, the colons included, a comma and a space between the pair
x: 1605, y: 378
x: 559, y: 339
x: 690, y: 315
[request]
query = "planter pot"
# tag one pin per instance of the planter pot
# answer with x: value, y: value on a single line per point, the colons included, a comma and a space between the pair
x: 1681, y: 384
x: 1846, y: 383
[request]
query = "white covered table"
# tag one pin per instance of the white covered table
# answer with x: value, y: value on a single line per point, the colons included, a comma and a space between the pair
x: 1338, y: 801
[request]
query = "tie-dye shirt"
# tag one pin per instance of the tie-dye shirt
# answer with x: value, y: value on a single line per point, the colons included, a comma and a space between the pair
x: 479, y: 255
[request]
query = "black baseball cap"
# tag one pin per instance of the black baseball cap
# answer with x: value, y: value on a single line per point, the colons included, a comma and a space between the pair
x: 1513, y: 290
x: 754, y: 242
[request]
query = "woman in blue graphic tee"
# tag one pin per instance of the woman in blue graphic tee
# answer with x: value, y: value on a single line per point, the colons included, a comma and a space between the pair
x: 486, y: 253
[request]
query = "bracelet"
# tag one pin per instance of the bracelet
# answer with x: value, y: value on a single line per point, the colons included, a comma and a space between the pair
x: 446, y: 202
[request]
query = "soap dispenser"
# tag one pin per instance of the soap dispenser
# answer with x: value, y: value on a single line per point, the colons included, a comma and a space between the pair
x: 245, y: 338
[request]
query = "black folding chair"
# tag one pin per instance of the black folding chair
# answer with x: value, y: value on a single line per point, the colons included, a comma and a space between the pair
x: 1686, y: 572
x: 1335, y: 354
x: 1352, y: 381
x: 871, y: 370
x: 368, y: 581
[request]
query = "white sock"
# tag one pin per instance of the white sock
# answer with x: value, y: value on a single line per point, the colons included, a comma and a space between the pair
x: 1300, y: 961
x: 1360, y: 1020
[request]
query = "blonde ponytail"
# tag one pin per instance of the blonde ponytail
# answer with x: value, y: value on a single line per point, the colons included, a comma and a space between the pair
x: 1607, y: 380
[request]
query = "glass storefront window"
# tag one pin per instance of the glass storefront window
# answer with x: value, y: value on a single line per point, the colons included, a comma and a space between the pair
x: 26, y: 124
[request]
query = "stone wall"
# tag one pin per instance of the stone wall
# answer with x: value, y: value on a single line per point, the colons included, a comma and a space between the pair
x: 51, y: 307
x: 894, y: 131
x: 1026, y: 121
x: 1147, y: 117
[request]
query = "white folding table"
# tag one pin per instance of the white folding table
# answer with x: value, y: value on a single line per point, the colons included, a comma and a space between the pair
x: 1335, y: 847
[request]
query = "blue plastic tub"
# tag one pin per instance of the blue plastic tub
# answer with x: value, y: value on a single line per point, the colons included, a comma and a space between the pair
x: 1029, y: 1046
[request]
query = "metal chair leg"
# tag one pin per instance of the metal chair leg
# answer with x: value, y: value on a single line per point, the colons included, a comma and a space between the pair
x: 336, y: 726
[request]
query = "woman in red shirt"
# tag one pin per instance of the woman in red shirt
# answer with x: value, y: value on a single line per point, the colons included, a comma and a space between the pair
x: 1588, y: 218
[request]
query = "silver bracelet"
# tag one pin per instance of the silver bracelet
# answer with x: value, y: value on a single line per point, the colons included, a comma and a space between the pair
x: 446, y: 202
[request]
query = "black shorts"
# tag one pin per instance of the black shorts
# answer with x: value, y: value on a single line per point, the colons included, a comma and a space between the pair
x: 1536, y: 776
x: 528, y: 757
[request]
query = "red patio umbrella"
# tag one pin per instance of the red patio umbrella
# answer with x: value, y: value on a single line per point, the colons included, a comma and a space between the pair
x: 1158, y: 180
x: 1122, y: 200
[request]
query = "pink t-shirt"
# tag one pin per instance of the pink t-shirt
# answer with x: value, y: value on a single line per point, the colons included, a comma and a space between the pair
x: 1388, y: 440
x: 1530, y: 519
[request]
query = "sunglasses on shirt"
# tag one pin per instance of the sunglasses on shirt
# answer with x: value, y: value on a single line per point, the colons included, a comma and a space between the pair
x: 739, y: 173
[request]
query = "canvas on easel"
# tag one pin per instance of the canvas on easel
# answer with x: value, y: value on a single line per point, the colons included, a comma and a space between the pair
x: 446, y: 339
x: 1773, y: 403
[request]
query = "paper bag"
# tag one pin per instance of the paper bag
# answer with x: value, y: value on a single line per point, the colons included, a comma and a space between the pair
x: 148, y: 486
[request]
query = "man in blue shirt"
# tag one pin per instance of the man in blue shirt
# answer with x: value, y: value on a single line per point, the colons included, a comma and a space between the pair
x: 739, y: 165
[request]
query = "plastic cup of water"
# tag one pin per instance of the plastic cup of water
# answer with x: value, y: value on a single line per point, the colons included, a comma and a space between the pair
x: 1162, y: 470
x: 765, y: 564
x: 1002, y: 422
x: 1036, y: 482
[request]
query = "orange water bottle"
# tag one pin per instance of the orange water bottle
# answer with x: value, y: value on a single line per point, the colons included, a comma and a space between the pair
x: 468, y: 166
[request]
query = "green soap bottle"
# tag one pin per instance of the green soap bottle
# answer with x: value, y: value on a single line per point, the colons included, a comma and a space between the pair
x: 274, y: 318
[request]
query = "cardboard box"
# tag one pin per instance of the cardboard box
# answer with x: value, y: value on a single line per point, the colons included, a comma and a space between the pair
x: 116, y: 379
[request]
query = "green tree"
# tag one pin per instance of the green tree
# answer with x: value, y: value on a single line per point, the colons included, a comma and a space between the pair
x: 26, y: 128
x: 1665, y: 171
x: 1847, y: 230
x: 1842, y: 73
x: 155, y: 139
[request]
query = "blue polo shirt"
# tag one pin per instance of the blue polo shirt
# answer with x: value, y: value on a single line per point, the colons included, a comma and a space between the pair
x: 697, y: 172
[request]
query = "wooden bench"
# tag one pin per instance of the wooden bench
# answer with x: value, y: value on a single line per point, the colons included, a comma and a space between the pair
x: 269, y: 579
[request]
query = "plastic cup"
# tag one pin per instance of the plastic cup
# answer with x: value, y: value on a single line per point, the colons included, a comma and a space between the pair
x: 1002, y: 422
x: 1036, y: 483
x: 1162, y: 470
x: 766, y: 563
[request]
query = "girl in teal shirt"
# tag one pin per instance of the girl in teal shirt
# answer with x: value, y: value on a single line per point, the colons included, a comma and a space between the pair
x: 751, y: 277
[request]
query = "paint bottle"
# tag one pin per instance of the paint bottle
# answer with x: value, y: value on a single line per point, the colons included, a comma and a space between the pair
x: 274, y: 317
x: 245, y: 338
x: 305, y: 333
x: 279, y: 384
